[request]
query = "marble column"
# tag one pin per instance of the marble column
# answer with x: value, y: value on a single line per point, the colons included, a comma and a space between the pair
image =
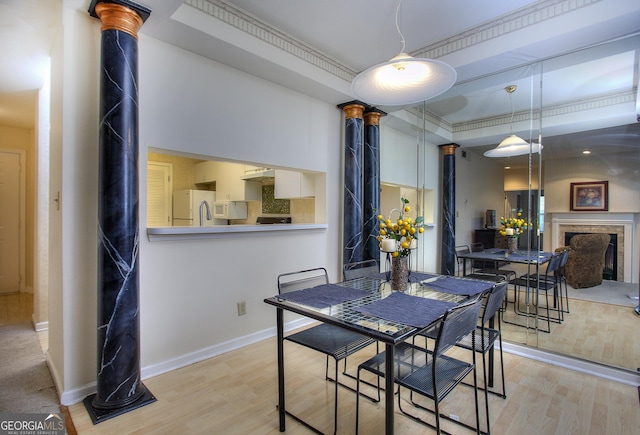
x: 119, y: 386
x: 352, y: 238
x: 448, y: 253
x: 371, y: 182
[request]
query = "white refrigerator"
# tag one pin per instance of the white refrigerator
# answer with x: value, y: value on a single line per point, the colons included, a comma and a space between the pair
x: 190, y: 205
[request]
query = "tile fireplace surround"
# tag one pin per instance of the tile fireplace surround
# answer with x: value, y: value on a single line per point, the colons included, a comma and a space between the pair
x: 622, y: 224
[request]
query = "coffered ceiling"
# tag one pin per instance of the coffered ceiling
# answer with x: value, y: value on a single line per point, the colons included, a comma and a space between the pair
x: 317, y: 47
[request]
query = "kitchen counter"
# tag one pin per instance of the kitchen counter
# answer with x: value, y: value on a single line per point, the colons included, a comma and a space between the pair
x: 191, y: 233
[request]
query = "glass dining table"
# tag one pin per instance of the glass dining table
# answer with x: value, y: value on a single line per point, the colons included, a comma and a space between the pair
x: 368, y: 306
x: 498, y: 256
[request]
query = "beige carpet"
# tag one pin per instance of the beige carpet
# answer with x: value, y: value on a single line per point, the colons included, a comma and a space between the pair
x: 25, y: 380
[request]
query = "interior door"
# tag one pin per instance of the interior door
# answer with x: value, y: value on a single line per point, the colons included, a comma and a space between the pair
x: 10, y: 216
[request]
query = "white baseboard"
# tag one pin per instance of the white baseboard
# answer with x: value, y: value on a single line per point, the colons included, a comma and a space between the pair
x: 40, y: 326
x: 77, y: 395
x: 623, y: 376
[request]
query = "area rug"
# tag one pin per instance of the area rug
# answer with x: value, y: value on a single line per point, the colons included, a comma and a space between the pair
x: 25, y: 380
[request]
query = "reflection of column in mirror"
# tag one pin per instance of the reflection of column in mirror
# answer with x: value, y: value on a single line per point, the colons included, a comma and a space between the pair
x: 448, y: 253
x: 119, y: 387
x: 353, y: 249
x: 371, y: 182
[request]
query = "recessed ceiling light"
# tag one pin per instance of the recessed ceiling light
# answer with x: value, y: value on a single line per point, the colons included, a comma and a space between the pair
x: 507, y: 167
x: 586, y: 152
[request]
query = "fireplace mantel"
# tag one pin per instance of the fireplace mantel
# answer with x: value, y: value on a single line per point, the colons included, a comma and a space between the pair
x: 622, y: 224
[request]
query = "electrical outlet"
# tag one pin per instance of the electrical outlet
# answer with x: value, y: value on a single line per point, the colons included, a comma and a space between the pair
x: 242, y: 308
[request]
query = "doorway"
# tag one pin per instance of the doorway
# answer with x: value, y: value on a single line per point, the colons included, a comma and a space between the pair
x: 12, y: 221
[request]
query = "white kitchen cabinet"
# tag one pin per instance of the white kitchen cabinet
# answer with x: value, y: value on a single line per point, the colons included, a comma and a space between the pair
x: 206, y: 172
x: 231, y: 187
x: 294, y: 184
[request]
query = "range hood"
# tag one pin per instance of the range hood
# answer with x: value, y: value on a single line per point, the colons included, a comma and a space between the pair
x: 259, y: 174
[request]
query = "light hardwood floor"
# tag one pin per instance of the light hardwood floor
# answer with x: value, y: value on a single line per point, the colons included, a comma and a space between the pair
x: 598, y: 332
x: 236, y: 393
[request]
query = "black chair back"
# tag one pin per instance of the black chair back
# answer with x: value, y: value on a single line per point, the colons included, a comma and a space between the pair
x: 360, y: 269
x: 494, y: 301
x: 291, y: 281
x: 457, y: 323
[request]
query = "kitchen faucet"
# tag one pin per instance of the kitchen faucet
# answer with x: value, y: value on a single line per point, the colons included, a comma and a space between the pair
x: 206, y: 206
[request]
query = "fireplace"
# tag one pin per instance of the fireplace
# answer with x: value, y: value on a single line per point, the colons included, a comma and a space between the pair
x: 622, y: 225
x: 610, y: 271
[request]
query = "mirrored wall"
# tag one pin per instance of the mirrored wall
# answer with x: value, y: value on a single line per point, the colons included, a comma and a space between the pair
x: 583, y: 107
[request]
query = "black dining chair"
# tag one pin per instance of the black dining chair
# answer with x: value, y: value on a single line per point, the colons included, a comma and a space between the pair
x: 333, y: 341
x: 561, y: 277
x: 461, y: 250
x: 479, y: 268
x: 485, y: 339
x: 432, y: 373
x: 546, y: 283
x: 360, y: 269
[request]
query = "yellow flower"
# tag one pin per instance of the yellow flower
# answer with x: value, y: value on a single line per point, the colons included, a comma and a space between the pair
x: 403, y: 231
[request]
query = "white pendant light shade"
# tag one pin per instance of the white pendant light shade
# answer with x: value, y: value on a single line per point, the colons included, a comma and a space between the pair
x: 513, y: 146
x: 403, y: 80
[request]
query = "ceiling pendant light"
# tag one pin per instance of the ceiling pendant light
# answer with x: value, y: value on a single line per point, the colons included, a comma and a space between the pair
x: 403, y: 79
x: 513, y: 145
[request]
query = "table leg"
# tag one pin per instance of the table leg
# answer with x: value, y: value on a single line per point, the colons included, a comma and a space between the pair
x: 388, y: 389
x: 280, y: 334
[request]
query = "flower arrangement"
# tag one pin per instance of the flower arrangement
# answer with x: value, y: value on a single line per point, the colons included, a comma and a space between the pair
x: 513, y: 227
x: 400, y: 236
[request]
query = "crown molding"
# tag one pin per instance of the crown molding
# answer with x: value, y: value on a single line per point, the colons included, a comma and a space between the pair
x: 241, y: 20
x: 515, y: 21
x: 576, y: 106
x: 512, y: 22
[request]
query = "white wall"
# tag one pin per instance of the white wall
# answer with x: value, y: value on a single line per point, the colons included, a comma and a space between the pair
x: 188, y: 289
x: 73, y: 235
x: 622, y: 174
x: 209, y: 109
x: 399, y: 165
x: 479, y: 187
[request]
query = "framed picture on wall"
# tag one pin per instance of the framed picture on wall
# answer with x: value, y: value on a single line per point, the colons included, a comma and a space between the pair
x: 590, y: 196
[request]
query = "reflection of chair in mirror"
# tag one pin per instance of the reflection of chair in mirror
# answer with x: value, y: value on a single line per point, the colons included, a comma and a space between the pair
x: 533, y: 286
x: 585, y: 263
x: 464, y: 249
x: 330, y: 340
x: 493, y: 268
x: 432, y: 373
x: 361, y: 269
x: 561, y: 277
x: 461, y: 250
x: 478, y: 267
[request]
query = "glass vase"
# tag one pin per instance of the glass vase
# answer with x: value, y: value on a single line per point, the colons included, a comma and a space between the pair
x: 399, y: 273
x: 512, y: 244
